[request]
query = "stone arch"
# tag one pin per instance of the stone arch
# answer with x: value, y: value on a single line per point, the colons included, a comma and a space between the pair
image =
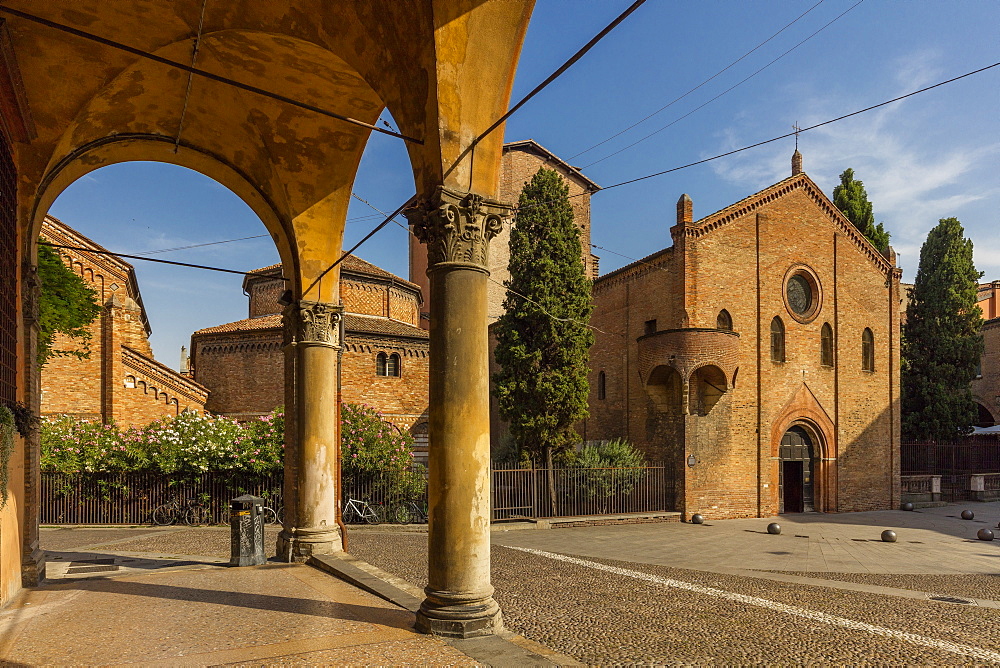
x: 157, y: 148
x: 707, y: 384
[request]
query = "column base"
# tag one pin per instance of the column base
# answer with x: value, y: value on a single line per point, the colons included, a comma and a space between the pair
x: 442, y: 614
x: 297, y: 544
x: 33, y: 568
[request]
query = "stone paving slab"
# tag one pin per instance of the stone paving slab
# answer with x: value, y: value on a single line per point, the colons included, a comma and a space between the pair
x: 274, y: 614
x: 930, y: 541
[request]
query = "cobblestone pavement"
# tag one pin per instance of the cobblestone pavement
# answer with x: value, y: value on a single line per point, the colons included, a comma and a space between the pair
x: 688, y: 595
x: 602, y: 617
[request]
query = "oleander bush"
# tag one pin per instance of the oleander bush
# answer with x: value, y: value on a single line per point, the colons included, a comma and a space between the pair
x: 373, y: 448
x: 188, y: 443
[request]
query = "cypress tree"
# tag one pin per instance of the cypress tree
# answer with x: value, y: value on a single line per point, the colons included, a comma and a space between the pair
x: 852, y: 200
x: 542, y: 338
x: 942, y: 343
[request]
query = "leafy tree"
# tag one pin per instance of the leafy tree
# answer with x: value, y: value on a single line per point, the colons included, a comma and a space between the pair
x: 67, y: 306
x: 851, y: 198
x: 542, y: 337
x: 942, y: 343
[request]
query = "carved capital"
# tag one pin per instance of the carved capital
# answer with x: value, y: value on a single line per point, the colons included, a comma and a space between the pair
x: 313, y: 322
x: 457, y: 227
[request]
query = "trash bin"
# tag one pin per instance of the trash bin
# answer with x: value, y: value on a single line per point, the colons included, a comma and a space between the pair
x: 246, y: 522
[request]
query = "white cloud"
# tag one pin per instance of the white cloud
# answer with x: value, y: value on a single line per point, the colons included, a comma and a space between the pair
x: 915, y: 167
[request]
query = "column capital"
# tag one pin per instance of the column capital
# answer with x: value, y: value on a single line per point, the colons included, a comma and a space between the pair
x: 457, y: 227
x: 312, y: 322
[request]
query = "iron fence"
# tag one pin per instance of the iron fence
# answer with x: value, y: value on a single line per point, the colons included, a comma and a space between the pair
x: 953, y: 462
x: 529, y: 493
x: 517, y: 493
x: 129, y: 498
x: 977, y: 454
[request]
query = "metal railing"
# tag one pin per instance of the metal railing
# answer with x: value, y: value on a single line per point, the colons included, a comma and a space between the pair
x: 531, y: 493
x: 517, y: 493
x: 129, y: 498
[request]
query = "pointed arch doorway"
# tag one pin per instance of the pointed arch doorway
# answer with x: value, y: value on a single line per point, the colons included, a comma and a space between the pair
x: 796, y: 483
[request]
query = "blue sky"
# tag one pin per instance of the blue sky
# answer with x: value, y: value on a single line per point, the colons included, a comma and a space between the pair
x: 931, y: 156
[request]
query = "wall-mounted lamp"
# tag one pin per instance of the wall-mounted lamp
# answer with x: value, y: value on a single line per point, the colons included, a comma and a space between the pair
x: 692, y: 461
x: 286, y: 298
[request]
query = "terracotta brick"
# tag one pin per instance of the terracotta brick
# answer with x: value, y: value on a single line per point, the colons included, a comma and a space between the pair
x: 680, y: 291
x: 120, y: 381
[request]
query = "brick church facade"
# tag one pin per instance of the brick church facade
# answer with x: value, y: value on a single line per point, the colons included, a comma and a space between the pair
x: 384, y: 361
x: 758, y: 357
x: 121, y: 381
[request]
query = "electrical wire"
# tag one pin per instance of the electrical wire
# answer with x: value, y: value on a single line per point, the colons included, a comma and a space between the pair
x: 725, y: 92
x: 145, y: 259
x: 202, y: 73
x: 714, y: 76
x: 779, y: 137
x: 540, y: 87
x: 506, y: 287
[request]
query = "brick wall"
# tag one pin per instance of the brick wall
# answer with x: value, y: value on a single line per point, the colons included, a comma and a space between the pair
x: 243, y: 371
x: 120, y: 381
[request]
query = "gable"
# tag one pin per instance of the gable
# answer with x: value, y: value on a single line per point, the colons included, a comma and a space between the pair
x: 795, y: 184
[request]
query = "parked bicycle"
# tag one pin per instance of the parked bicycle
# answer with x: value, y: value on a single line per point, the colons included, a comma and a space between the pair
x: 357, y: 511
x: 191, y: 512
x: 273, y: 516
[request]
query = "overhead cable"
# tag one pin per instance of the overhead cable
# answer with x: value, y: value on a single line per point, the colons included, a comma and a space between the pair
x: 714, y: 76
x: 145, y: 259
x: 725, y: 92
x: 548, y: 80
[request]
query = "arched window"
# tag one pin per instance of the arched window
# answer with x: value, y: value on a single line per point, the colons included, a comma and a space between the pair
x: 724, y: 321
x: 601, y: 385
x: 826, y: 345
x: 777, y: 340
x: 868, y: 350
x: 387, y: 365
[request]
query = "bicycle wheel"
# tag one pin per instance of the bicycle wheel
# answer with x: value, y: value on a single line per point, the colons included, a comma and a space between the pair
x: 196, y: 515
x: 400, y: 515
x: 371, y: 515
x: 350, y: 515
x: 270, y: 516
x: 164, y: 515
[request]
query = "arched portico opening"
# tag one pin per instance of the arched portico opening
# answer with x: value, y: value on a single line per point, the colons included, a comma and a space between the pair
x: 708, y: 384
x: 444, y: 67
x: 666, y: 388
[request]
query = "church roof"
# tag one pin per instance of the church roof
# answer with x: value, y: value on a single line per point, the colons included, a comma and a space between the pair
x: 97, y: 257
x: 798, y: 181
x: 353, y: 323
x: 724, y: 216
x: 574, y: 172
x: 351, y: 264
x: 272, y: 321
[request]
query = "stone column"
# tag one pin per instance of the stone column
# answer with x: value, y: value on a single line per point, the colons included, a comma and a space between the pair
x: 457, y: 228
x: 312, y: 485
